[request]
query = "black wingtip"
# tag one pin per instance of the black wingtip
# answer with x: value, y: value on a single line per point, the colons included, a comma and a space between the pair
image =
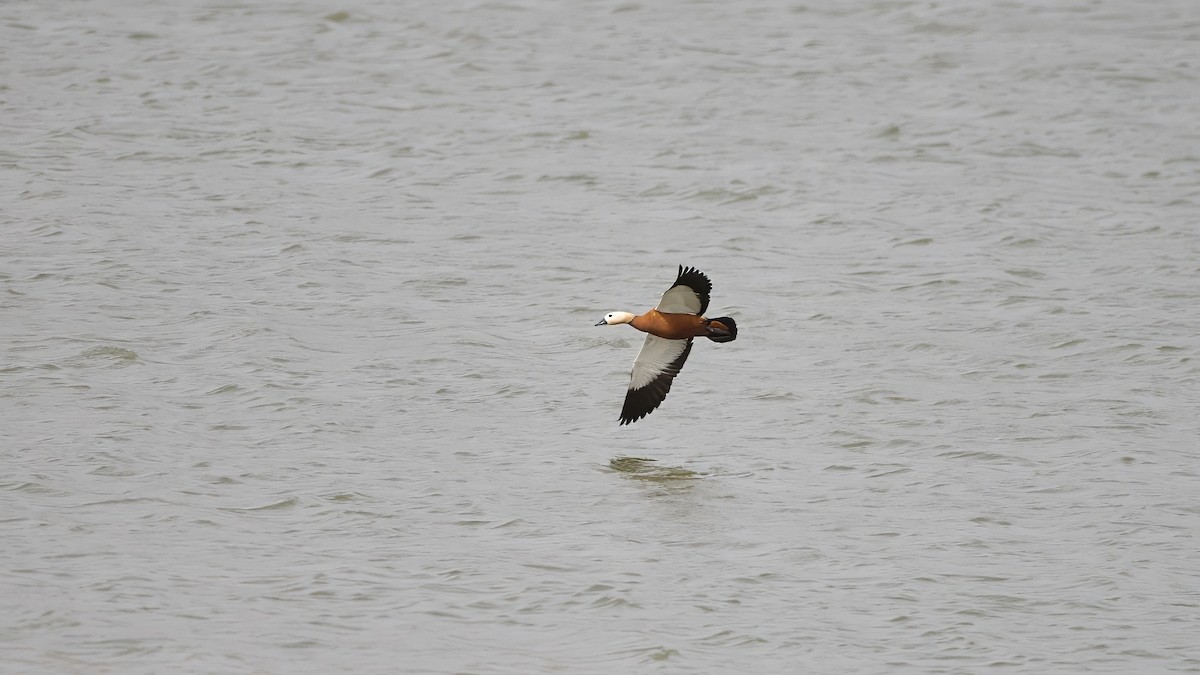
x: 697, y: 281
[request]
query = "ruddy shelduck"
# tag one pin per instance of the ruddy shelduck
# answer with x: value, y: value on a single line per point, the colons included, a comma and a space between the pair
x: 671, y: 326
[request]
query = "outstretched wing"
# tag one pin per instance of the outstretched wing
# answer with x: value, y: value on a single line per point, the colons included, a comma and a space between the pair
x: 653, y: 371
x: 689, y: 295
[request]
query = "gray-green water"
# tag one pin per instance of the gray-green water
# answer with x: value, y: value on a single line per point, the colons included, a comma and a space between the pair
x: 298, y: 370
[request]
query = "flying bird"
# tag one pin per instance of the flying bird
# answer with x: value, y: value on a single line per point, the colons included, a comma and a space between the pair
x: 671, y: 326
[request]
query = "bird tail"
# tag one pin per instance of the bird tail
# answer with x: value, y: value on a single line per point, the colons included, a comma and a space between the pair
x: 723, y: 329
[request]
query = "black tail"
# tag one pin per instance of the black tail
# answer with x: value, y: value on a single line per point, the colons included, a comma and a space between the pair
x: 718, y: 335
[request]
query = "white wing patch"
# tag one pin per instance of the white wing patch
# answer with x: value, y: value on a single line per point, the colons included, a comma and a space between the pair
x: 679, y: 300
x: 656, y: 357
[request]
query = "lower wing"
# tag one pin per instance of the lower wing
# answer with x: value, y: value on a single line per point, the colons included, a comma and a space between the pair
x: 653, y: 371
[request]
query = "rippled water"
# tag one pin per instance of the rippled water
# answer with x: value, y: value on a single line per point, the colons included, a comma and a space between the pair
x: 299, y: 371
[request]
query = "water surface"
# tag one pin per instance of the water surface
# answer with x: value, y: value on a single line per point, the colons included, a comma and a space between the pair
x: 299, y: 370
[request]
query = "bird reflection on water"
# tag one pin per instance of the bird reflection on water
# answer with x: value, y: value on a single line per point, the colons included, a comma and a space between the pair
x: 642, y: 468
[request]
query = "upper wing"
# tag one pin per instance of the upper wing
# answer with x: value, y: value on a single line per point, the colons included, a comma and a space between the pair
x: 653, y: 371
x: 689, y: 295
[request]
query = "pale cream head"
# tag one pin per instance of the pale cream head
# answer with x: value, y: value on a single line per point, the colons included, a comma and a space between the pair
x: 614, y: 318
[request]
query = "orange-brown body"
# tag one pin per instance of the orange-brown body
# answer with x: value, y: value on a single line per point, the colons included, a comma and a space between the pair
x: 676, y: 326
